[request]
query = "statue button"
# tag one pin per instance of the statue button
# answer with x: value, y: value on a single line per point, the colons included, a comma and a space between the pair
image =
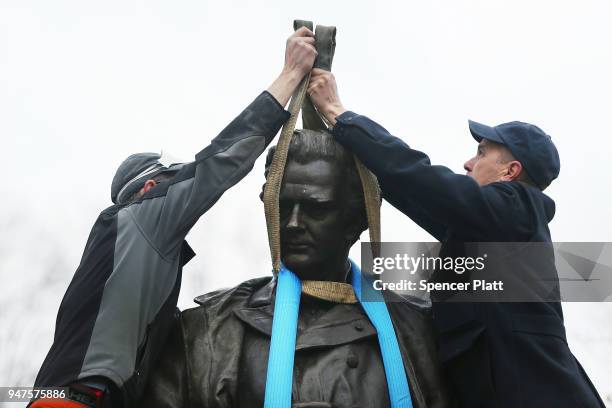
x: 359, y: 327
x: 352, y: 361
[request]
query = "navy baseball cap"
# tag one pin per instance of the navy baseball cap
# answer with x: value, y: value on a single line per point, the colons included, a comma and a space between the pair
x: 528, y: 144
x: 138, y: 168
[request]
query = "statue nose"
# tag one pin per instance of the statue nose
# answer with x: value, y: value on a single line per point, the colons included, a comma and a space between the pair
x: 295, y: 217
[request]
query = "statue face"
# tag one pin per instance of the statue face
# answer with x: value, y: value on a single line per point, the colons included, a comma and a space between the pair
x: 315, y: 234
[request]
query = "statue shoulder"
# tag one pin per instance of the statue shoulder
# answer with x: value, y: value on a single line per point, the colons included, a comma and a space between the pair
x: 215, y: 314
x: 243, y: 291
x: 223, y: 301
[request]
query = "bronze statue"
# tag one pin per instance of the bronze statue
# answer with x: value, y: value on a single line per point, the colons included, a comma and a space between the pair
x: 217, y: 353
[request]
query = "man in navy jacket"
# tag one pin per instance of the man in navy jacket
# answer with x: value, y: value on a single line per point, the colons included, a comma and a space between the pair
x: 495, y: 354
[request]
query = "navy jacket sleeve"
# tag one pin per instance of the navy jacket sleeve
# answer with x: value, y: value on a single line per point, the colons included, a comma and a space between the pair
x: 435, y: 197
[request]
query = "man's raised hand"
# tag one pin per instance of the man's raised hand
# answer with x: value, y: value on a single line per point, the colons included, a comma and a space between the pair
x: 300, y: 54
x: 323, y: 93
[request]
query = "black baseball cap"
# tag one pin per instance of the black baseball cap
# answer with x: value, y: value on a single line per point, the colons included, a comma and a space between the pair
x: 528, y: 144
x: 135, y: 170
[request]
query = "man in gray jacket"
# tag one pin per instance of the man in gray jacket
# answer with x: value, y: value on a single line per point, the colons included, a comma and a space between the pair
x: 118, y: 308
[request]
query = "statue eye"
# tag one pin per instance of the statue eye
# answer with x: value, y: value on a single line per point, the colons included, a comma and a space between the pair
x: 317, y: 210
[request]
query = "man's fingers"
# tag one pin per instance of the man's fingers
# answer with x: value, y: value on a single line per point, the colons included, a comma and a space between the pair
x: 308, y: 40
x: 314, y: 74
x: 321, y: 77
x: 303, y: 43
x: 321, y: 74
x: 303, y: 32
x: 313, y: 86
x: 315, y: 82
x: 312, y: 48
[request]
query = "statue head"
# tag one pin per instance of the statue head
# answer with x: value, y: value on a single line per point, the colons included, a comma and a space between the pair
x: 322, y: 210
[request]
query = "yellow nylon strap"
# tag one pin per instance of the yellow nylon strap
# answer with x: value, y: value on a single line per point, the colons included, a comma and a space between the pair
x: 336, y: 292
x: 275, y: 174
x: 371, y: 196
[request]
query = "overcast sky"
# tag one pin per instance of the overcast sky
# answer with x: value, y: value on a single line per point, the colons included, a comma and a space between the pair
x: 84, y: 84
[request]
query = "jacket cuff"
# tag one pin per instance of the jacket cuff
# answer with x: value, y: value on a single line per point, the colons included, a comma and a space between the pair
x: 342, y: 122
x: 272, y: 115
x: 269, y: 95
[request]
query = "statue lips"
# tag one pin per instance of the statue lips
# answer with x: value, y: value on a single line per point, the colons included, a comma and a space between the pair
x: 297, y: 246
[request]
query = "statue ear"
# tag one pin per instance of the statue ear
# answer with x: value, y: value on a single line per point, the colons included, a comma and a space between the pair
x: 355, y: 229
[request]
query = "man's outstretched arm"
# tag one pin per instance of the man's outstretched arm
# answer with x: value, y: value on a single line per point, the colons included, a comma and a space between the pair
x: 167, y: 213
x: 435, y: 197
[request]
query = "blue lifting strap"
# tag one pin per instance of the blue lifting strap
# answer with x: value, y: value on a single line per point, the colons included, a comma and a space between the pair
x: 279, y: 378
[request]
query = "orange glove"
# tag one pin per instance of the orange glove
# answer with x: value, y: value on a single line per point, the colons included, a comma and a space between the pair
x: 56, y: 403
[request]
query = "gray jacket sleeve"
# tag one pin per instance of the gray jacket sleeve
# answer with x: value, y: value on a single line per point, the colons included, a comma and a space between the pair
x: 167, y: 213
